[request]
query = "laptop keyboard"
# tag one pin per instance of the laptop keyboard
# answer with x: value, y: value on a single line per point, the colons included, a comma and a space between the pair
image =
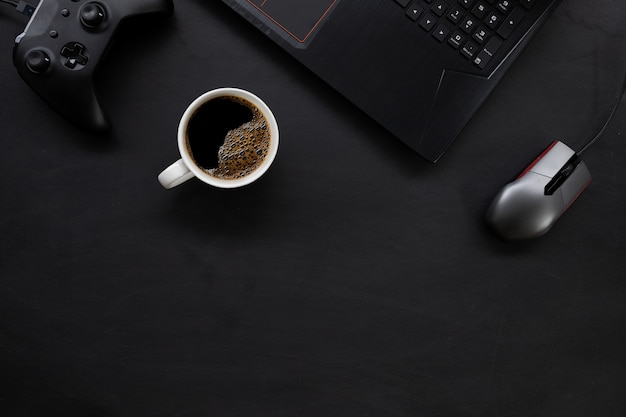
x: 476, y: 28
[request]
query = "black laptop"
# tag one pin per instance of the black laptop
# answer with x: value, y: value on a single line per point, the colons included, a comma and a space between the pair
x: 421, y: 68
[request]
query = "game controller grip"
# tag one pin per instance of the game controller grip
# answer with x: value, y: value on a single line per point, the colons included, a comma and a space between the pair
x: 62, y: 45
x: 87, y: 113
x: 72, y: 95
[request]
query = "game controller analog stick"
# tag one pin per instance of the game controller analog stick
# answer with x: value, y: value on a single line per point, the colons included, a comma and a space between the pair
x: 57, y: 55
x: 37, y: 61
x: 92, y: 15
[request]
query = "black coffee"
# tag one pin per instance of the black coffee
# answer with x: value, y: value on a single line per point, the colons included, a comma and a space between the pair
x: 228, y: 137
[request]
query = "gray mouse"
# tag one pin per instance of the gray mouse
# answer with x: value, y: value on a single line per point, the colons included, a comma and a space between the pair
x: 529, y: 206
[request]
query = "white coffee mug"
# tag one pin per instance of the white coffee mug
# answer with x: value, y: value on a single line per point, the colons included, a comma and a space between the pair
x: 186, y: 168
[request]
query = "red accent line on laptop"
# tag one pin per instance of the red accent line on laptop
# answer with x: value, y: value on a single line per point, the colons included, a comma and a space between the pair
x: 287, y: 30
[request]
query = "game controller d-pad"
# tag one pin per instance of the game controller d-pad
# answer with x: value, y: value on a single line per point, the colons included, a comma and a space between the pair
x: 75, y: 54
x: 62, y: 45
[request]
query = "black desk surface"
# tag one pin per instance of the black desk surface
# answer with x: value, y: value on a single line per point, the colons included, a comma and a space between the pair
x: 354, y: 279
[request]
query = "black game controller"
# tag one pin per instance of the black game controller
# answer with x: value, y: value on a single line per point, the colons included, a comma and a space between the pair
x: 62, y: 45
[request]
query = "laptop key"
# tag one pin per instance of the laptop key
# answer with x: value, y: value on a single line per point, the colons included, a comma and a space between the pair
x: 456, y: 40
x: 455, y: 14
x: 439, y: 8
x: 493, y: 20
x: 470, y: 49
x: 468, y: 24
x: 441, y: 33
x: 414, y: 12
x: 511, y: 22
x: 480, y: 9
x: 480, y: 35
x: 504, y: 6
x: 483, y: 58
x: 428, y: 22
x: 403, y: 3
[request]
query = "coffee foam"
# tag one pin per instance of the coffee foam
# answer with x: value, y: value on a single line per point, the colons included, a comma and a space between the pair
x: 245, y: 147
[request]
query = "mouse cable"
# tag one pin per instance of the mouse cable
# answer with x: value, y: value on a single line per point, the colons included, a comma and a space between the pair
x: 21, y: 6
x: 601, y: 132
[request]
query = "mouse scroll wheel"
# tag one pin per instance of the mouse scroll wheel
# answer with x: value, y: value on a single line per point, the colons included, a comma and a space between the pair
x: 567, y: 169
x: 562, y: 175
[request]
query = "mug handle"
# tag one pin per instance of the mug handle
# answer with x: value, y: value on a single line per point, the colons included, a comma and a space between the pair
x: 175, y: 174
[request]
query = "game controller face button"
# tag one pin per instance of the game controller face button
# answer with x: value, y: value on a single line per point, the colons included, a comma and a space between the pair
x: 92, y: 15
x: 37, y: 61
x: 76, y: 54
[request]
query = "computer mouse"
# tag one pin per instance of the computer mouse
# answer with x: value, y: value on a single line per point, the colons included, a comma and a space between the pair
x: 530, y: 205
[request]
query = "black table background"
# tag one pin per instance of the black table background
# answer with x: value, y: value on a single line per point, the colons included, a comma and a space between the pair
x: 353, y: 279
